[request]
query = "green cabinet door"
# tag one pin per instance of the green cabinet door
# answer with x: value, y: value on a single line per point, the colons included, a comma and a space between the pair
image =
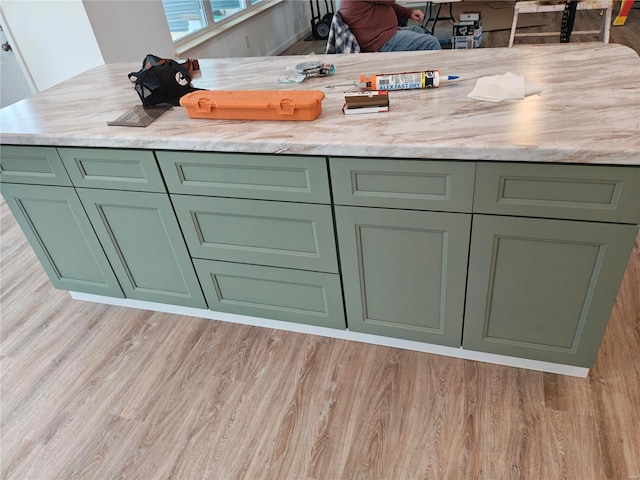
x: 32, y: 165
x: 116, y: 169
x: 543, y: 289
x: 599, y: 193
x: 312, y: 298
x: 260, y: 232
x: 404, y: 272
x: 442, y: 186
x: 61, y: 235
x: 289, y: 178
x: 141, y: 238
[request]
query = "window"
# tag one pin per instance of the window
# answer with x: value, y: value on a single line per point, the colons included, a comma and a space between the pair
x: 186, y: 17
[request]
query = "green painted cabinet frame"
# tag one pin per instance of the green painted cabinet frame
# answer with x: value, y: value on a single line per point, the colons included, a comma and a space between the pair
x: 142, y: 239
x: 520, y: 250
x: 543, y: 289
x: 404, y: 272
x: 58, y: 230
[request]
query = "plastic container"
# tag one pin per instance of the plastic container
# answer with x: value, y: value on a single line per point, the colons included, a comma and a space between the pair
x: 254, y: 104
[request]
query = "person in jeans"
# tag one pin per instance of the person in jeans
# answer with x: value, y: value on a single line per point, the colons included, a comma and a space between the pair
x: 375, y: 25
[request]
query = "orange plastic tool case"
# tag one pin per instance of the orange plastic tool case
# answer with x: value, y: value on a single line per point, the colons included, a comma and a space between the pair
x: 254, y: 104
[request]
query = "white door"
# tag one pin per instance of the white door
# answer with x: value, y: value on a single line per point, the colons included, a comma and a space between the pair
x: 14, y: 86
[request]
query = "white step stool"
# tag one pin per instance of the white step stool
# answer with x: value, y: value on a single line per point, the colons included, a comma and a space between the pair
x: 532, y: 6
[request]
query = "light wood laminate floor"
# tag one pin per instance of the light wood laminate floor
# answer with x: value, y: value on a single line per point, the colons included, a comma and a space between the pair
x: 99, y: 392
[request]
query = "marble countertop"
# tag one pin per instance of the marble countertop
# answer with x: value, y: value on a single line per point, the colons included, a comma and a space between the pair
x: 588, y: 111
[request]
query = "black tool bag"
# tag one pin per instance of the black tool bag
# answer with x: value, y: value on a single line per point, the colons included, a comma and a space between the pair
x: 163, y: 80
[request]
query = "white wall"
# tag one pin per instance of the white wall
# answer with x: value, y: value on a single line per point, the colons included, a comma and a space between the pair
x: 58, y: 39
x: 127, y: 30
x: 54, y: 39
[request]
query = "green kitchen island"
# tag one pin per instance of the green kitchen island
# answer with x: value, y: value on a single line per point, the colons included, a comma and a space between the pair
x: 496, y: 232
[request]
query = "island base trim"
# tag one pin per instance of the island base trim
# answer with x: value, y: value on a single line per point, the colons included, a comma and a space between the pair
x: 548, y: 367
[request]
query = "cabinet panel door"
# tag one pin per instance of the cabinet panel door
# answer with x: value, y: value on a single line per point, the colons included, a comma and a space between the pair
x: 61, y: 235
x: 117, y: 169
x: 407, y: 184
x: 580, y: 192
x: 32, y: 165
x: 543, y: 289
x: 279, y: 234
x: 404, y: 272
x: 141, y: 237
x: 290, y: 178
x: 312, y: 298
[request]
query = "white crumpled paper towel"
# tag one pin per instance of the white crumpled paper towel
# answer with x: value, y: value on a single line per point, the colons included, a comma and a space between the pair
x: 503, y: 87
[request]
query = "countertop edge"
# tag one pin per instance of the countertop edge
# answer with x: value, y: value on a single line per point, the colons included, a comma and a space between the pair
x: 628, y: 156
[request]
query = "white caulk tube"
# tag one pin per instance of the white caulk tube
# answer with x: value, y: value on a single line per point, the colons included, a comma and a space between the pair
x: 405, y: 80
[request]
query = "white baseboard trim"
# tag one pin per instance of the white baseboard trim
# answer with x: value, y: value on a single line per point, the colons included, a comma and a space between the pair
x: 537, y: 365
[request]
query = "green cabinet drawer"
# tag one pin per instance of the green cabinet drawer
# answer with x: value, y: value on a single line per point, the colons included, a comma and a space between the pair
x: 311, y: 298
x: 58, y: 230
x: 405, y: 184
x: 32, y: 165
x: 134, y: 170
x: 404, y: 272
x: 581, y: 192
x: 543, y: 289
x: 280, y: 234
x: 269, y: 177
x: 142, y: 239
